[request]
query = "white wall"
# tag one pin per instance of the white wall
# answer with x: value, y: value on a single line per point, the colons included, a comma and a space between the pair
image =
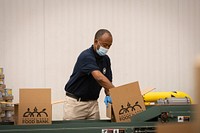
x: 155, y: 42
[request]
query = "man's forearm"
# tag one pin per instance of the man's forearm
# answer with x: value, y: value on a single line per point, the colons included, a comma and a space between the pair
x: 107, y: 92
x: 103, y: 81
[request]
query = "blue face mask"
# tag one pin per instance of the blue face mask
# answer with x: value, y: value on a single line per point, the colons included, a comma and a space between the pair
x: 102, y: 51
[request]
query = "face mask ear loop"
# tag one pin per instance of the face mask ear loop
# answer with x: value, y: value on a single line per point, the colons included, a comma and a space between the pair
x: 99, y: 45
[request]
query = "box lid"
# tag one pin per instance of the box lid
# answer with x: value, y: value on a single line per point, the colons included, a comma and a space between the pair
x: 30, y: 95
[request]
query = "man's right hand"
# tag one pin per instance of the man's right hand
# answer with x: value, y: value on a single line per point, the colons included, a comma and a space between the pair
x: 107, y: 100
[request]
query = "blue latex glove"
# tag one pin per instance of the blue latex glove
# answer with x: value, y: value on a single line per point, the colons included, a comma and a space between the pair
x: 107, y: 100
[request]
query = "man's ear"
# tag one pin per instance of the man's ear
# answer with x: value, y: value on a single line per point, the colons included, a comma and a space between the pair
x: 95, y: 41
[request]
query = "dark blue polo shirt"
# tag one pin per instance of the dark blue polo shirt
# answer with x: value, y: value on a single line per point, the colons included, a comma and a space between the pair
x: 81, y: 82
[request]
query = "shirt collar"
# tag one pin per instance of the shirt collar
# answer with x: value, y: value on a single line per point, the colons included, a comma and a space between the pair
x: 95, y: 53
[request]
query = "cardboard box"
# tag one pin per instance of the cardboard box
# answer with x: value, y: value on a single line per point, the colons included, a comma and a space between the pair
x: 175, y: 128
x: 126, y: 102
x: 197, y: 92
x: 34, y: 107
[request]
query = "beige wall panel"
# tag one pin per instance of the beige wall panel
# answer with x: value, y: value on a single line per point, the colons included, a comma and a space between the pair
x: 155, y: 42
x: 23, y: 43
x: 2, y: 29
x: 144, y: 48
x: 189, y: 42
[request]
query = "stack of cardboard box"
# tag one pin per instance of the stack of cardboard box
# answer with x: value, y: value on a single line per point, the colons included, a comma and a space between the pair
x: 6, y: 97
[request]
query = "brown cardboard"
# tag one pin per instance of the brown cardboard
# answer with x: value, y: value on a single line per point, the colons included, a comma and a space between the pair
x: 175, y: 128
x: 126, y: 102
x: 34, y: 107
x: 110, y: 112
x: 197, y: 90
x: 16, y: 108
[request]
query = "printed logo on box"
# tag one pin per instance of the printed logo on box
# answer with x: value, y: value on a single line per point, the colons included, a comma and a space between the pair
x: 126, y: 112
x: 35, y: 116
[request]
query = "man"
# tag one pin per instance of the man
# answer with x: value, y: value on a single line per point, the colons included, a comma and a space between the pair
x: 92, y: 71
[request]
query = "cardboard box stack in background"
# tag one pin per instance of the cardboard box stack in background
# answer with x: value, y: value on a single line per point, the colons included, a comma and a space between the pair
x: 6, y: 97
x: 34, y: 107
x: 126, y: 102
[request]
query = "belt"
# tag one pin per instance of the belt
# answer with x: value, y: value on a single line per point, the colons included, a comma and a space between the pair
x: 77, y: 98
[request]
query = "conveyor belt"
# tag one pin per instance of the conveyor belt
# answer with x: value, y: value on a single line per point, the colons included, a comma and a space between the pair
x: 144, y: 122
x: 89, y: 126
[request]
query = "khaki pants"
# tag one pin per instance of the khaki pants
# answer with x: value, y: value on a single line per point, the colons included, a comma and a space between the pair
x: 78, y: 110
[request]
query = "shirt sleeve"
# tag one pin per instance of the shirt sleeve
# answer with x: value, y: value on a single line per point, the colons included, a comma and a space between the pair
x: 88, y: 64
x: 109, y: 70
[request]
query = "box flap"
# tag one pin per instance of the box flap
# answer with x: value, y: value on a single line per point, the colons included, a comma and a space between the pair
x: 30, y: 95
